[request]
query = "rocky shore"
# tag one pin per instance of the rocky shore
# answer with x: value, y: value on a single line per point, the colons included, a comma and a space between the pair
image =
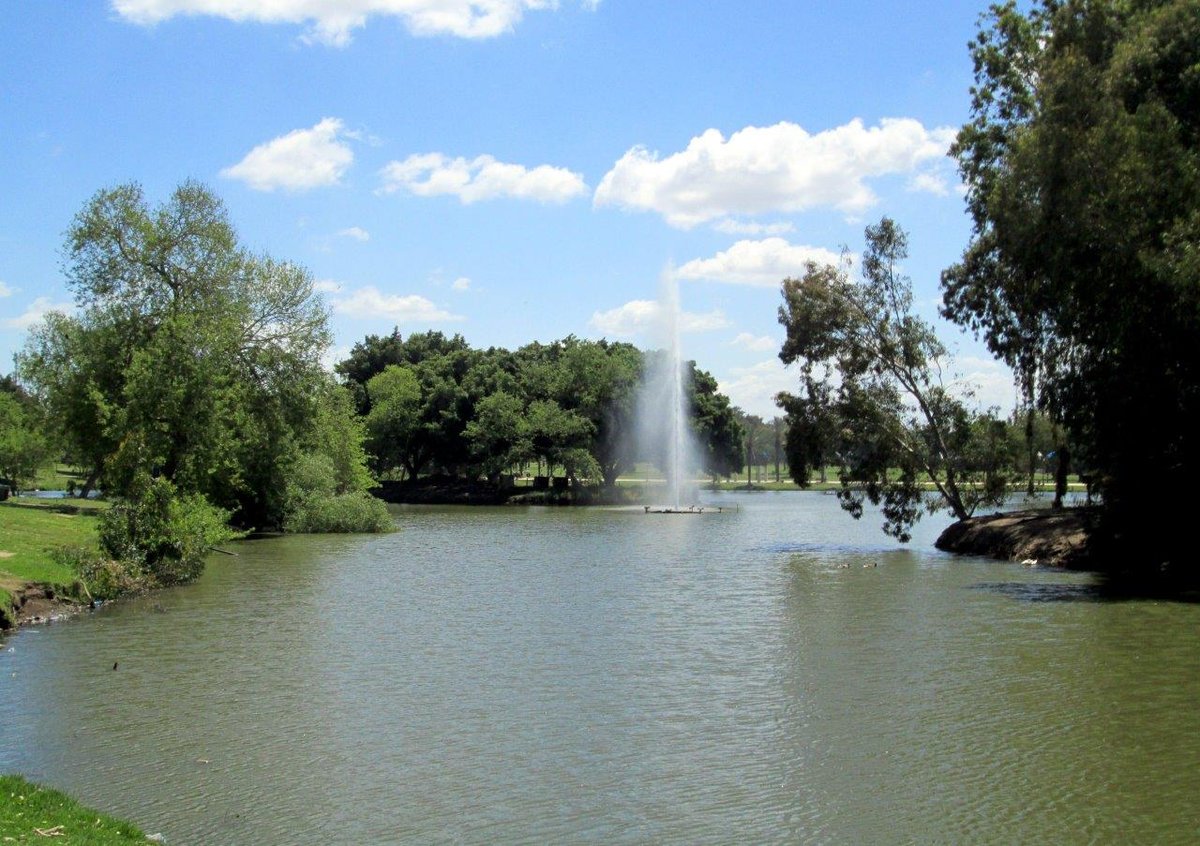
x: 1048, y: 537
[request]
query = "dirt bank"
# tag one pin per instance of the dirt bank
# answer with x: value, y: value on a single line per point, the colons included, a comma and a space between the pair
x: 1052, y: 538
x: 33, y: 604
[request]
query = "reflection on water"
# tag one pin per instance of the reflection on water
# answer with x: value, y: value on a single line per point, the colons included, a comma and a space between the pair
x: 606, y: 676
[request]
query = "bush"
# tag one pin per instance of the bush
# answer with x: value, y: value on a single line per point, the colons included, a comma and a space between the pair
x: 315, y: 505
x: 346, y: 513
x: 160, y: 534
x: 102, y: 577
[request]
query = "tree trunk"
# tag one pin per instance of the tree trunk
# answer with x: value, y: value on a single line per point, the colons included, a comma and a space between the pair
x: 1029, y: 447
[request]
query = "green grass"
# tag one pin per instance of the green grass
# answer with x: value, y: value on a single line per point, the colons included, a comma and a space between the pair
x: 56, y: 477
x: 26, y: 537
x: 33, y: 814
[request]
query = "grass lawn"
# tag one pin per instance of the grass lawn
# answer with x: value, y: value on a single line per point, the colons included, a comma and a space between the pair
x: 56, y: 477
x: 26, y: 537
x: 33, y: 814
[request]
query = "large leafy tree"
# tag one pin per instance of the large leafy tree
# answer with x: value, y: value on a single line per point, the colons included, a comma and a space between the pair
x: 190, y: 358
x: 1083, y: 178
x: 873, y: 399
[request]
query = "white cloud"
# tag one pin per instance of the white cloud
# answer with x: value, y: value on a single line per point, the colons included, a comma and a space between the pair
x: 327, y: 286
x: 481, y: 178
x: 369, y: 303
x: 34, y: 313
x: 643, y: 317
x: 462, y: 283
x: 755, y: 343
x: 763, y: 263
x: 930, y: 183
x: 772, y: 169
x: 5, y: 290
x: 753, y: 388
x: 741, y: 227
x: 356, y: 233
x: 332, y: 21
x: 298, y: 161
x: 990, y: 381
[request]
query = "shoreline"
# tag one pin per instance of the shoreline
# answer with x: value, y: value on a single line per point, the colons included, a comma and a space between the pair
x: 1044, y: 537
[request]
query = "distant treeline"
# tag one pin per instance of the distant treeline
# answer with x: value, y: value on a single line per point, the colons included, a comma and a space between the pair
x: 433, y: 405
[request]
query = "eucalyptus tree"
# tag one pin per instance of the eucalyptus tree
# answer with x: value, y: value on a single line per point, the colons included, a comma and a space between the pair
x: 1082, y: 168
x: 873, y: 397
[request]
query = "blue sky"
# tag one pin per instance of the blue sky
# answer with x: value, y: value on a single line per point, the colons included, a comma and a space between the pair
x: 513, y: 170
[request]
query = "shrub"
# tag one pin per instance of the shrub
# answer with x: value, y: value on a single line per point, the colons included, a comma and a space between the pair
x: 102, y: 577
x: 160, y: 534
x: 314, y: 505
x: 346, y: 513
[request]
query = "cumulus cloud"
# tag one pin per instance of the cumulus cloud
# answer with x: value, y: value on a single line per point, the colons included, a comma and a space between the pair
x: 755, y: 343
x: 5, y: 290
x: 642, y: 317
x: 370, y: 303
x: 332, y: 21
x: 991, y: 382
x: 753, y: 388
x: 741, y: 227
x: 301, y: 160
x: 34, y: 313
x: 771, y: 169
x: 763, y: 263
x: 462, y: 283
x: 481, y: 178
x: 929, y: 183
x: 355, y: 233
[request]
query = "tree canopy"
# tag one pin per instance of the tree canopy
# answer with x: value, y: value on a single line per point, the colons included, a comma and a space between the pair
x: 1083, y: 179
x: 190, y: 358
x: 436, y: 405
x: 873, y: 400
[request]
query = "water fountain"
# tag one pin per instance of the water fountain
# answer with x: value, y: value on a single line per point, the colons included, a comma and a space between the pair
x: 663, y: 410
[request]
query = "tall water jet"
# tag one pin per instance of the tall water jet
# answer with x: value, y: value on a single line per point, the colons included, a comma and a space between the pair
x: 664, y: 408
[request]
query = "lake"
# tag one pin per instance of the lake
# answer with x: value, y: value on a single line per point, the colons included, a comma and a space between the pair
x: 536, y: 675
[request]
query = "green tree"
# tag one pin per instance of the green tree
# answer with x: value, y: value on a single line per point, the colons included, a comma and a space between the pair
x: 394, y: 398
x: 871, y: 376
x: 23, y: 446
x: 1083, y: 179
x: 190, y: 357
x: 714, y: 419
x: 499, y: 435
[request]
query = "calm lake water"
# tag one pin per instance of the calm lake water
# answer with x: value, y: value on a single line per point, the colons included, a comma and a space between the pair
x: 603, y: 676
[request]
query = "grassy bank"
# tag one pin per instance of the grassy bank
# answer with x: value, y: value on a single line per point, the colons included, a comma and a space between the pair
x: 29, y: 529
x: 33, y: 814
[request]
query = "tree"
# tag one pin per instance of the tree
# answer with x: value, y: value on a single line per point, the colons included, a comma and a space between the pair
x: 23, y: 446
x: 394, y: 398
x: 499, y: 435
x: 714, y: 419
x: 190, y: 359
x: 1083, y: 178
x: 873, y: 394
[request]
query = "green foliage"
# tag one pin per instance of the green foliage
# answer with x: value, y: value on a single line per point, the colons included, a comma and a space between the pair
x: 1083, y: 176
x: 190, y: 357
x: 435, y: 405
x: 873, y: 398
x: 103, y: 577
x: 160, y: 535
x: 394, y: 396
x: 23, y: 446
x: 715, y: 421
x: 319, y: 502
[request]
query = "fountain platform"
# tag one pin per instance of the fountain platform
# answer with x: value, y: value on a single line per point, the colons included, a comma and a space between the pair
x: 686, y: 509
